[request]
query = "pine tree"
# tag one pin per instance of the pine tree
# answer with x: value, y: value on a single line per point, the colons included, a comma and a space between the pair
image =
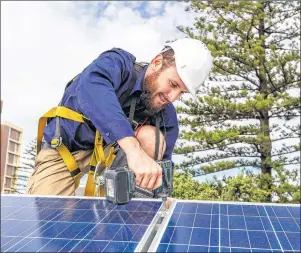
x: 252, y: 104
x: 23, y: 172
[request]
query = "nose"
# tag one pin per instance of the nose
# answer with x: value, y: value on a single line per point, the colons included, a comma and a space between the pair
x: 174, y: 95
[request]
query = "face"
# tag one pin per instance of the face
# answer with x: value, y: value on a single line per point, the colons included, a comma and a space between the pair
x: 161, y: 87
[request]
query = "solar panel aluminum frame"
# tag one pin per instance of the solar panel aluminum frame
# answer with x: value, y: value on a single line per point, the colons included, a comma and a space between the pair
x: 162, y: 228
x: 151, y: 235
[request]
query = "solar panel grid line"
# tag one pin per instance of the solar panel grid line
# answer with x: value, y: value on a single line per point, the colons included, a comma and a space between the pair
x: 210, y: 231
x: 274, y: 230
x: 16, y: 225
x: 279, y: 225
x: 265, y: 231
x: 219, y: 229
x: 236, y: 203
x: 152, y: 209
x: 120, y: 228
x: 282, y: 230
x: 246, y: 227
x: 293, y: 218
x: 88, y: 234
x: 254, y: 214
x: 192, y: 224
x: 28, y: 236
x: 174, y: 230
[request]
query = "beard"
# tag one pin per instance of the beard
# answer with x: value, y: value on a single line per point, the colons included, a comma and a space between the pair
x: 149, y: 93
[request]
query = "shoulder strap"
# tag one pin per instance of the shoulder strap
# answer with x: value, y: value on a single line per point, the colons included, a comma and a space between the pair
x: 158, y: 119
x: 138, y: 68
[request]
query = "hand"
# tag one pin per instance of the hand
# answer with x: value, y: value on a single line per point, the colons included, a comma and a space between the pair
x: 148, y: 173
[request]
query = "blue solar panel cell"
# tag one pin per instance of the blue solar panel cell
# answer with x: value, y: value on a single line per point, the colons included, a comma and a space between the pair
x: 70, y: 224
x: 250, y: 210
x: 289, y: 225
x: 231, y: 228
x: 294, y: 239
x: 197, y: 249
x: 95, y: 225
x: 258, y: 239
x: 239, y: 238
x: 237, y: 222
x: 181, y: 235
x: 201, y: 220
x: 253, y: 223
x: 200, y: 236
x: 186, y: 220
x: 234, y: 210
x: 295, y: 212
x: 190, y: 208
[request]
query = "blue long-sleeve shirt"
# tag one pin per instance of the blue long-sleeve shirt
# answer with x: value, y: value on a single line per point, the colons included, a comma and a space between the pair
x: 95, y: 93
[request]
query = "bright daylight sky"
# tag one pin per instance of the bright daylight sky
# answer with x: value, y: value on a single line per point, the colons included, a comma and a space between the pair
x: 44, y: 44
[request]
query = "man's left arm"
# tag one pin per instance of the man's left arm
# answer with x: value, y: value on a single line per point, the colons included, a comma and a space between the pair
x: 172, y: 130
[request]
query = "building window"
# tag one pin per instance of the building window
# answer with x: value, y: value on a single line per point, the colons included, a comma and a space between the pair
x: 11, y: 170
x: 15, y: 135
x: 8, y: 183
x: 11, y: 158
x: 13, y: 147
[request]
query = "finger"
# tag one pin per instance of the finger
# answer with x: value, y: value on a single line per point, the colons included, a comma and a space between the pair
x: 158, y: 182
x: 152, y: 182
x: 145, y: 180
x: 139, y: 177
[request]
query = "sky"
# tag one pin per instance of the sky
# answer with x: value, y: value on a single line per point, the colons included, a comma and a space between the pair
x: 45, y: 44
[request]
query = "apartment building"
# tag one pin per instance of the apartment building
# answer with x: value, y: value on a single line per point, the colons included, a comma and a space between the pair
x: 11, y: 139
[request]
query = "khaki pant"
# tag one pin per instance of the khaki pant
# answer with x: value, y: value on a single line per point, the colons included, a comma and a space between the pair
x: 52, y: 177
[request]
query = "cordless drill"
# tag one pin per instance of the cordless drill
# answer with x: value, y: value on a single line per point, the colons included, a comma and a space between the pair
x: 120, y: 184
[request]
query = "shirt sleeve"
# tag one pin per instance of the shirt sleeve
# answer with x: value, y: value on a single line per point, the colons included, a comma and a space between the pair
x: 97, y: 98
x: 172, y: 130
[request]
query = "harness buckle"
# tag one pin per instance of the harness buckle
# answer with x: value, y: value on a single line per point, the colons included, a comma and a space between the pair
x: 56, y: 142
x: 135, y: 124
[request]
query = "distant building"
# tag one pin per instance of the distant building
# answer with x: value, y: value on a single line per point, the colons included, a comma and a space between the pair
x: 11, y: 140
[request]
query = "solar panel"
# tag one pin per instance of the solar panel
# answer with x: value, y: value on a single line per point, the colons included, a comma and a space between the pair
x: 70, y: 224
x: 52, y: 224
x: 231, y: 227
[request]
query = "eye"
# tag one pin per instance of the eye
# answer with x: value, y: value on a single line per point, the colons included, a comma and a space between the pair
x: 172, y: 84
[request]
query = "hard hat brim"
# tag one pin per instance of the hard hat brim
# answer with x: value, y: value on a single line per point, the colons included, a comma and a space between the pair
x: 187, y: 81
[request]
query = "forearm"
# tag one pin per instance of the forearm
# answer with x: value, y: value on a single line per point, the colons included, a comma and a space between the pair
x: 129, y: 145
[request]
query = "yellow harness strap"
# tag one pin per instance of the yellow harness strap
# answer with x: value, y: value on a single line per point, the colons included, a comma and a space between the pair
x: 97, y: 156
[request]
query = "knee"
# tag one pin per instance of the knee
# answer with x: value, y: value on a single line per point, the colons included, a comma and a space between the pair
x: 146, y: 136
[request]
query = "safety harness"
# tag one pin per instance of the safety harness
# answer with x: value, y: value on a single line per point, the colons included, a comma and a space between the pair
x: 98, y: 156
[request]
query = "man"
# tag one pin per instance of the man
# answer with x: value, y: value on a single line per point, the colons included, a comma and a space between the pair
x: 181, y: 67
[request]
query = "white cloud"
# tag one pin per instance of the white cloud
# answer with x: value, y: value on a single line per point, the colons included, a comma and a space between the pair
x: 154, y: 7
x: 44, y: 44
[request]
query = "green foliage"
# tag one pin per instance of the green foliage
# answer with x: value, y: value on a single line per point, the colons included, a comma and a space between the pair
x: 187, y: 188
x: 247, y: 187
x: 255, y: 80
x: 23, y: 172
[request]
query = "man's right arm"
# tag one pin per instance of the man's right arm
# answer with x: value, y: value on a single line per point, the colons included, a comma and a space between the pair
x: 98, y: 102
x: 148, y: 173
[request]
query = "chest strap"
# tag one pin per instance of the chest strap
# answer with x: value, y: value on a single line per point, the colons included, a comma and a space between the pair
x: 97, y: 155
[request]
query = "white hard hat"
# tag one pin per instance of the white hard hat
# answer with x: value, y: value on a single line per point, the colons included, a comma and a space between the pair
x: 193, y: 62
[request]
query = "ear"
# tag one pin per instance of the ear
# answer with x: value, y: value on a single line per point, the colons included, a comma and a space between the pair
x: 157, y: 62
